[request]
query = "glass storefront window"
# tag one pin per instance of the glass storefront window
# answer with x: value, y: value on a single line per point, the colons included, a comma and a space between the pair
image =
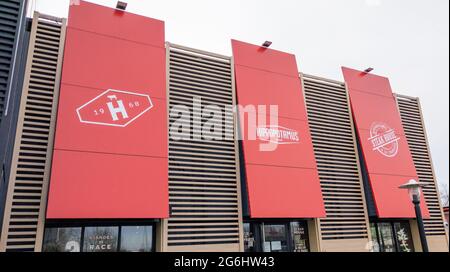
x: 275, y: 238
x: 62, y: 240
x: 100, y: 239
x: 299, y: 232
x: 249, y: 238
x: 387, y: 237
x: 375, y: 241
x: 392, y: 237
x: 404, y: 237
x: 136, y: 239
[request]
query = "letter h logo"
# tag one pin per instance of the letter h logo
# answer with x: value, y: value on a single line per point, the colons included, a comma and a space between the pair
x: 115, y: 110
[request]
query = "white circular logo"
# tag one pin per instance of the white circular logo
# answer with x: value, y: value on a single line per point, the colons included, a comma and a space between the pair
x: 384, y: 139
x: 72, y: 246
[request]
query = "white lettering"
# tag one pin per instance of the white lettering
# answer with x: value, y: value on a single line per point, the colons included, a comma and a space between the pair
x: 115, y: 110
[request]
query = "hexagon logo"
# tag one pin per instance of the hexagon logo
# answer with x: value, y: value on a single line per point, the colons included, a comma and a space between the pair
x: 114, y: 108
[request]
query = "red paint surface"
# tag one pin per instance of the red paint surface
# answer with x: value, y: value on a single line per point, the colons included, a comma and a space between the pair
x: 96, y: 61
x: 135, y: 139
x: 257, y: 57
x: 283, y: 183
x: 98, y: 185
x: 372, y: 102
x: 289, y: 155
x: 281, y: 192
x: 109, y: 172
x: 384, y: 109
x: 95, y: 18
x: 272, y: 89
x: 392, y: 202
x: 379, y: 164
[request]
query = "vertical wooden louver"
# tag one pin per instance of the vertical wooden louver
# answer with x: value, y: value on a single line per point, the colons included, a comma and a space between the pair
x: 27, y: 192
x: 10, y: 16
x: 336, y: 153
x: 203, y: 178
x: 413, y: 124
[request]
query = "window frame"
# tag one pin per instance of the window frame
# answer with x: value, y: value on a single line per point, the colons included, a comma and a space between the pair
x: 153, y: 245
x: 79, y: 236
x: 83, y: 240
x: 119, y: 225
x: 380, y: 240
x: 257, y: 227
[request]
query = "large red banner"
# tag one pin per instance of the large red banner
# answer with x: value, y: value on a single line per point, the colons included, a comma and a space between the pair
x: 383, y: 143
x: 110, y: 155
x: 283, y: 181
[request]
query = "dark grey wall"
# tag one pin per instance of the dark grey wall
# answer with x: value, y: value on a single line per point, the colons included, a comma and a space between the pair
x: 14, y: 39
x: 371, y: 209
x: 244, y: 191
x: 12, y: 15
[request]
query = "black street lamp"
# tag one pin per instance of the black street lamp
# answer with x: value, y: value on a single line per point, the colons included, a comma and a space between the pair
x: 414, y: 190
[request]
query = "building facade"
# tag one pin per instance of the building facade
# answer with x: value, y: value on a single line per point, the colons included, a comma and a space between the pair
x: 121, y: 141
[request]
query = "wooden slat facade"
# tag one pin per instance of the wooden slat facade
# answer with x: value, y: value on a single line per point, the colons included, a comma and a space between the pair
x: 334, y: 142
x: 413, y: 123
x: 26, y: 199
x: 204, y: 186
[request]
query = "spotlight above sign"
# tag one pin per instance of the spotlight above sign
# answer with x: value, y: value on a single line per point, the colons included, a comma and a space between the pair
x: 267, y: 44
x: 121, y: 5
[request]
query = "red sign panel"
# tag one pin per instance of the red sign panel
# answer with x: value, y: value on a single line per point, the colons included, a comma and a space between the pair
x: 110, y: 155
x: 383, y: 143
x: 108, y: 186
x: 281, y: 171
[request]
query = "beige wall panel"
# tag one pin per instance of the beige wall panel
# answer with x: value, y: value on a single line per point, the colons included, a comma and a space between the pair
x: 438, y: 243
x: 346, y: 245
x: 415, y: 235
x: 206, y: 248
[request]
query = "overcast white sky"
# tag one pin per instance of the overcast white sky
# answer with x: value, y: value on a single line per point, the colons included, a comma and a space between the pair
x: 406, y: 40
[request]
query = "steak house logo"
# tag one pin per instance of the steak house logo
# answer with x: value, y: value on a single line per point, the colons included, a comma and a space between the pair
x: 114, y: 108
x: 277, y: 135
x: 384, y: 139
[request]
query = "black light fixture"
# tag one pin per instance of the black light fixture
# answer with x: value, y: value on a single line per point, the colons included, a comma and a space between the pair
x: 267, y: 44
x: 121, y: 5
x: 368, y: 70
x: 414, y: 190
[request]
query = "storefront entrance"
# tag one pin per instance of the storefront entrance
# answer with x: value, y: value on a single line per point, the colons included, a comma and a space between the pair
x: 290, y: 236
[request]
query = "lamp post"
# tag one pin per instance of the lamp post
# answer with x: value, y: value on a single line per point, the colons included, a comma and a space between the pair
x: 414, y: 190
